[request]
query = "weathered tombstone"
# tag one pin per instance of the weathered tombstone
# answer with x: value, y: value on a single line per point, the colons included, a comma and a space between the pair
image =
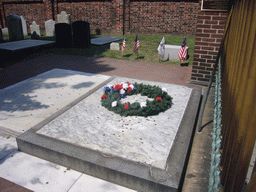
x: 35, y: 27
x: 81, y: 34
x: 1, y: 36
x: 5, y: 31
x: 63, y: 17
x: 63, y: 35
x: 171, y: 52
x: 24, y: 25
x: 14, y: 28
x: 34, y: 35
x: 114, y: 46
x: 49, y: 27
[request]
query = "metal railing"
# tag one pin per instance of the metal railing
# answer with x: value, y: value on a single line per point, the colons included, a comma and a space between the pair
x: 214, y: 177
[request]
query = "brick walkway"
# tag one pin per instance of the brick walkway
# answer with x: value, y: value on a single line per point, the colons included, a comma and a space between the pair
x: 134, y: 69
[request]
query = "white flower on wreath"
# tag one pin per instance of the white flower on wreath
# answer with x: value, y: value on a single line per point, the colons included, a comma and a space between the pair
x: 131, y: 86
x: 122, y: 91
x: 125, y: 85
x: 164, y: 89
x: 114, y: 103
x: 143, y: 104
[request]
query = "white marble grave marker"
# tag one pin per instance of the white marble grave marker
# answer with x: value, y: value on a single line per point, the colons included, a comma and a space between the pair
x: 63, y: 17
x: 35, y: 27
x: 171, y: 52
x: 24, y: 25
x: 114, y: 46
x: 49, y: 27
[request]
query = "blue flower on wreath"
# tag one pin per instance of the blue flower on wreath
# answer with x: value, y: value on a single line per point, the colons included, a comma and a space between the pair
x: 112, y: 90
x: 123, y: 95
x: 106, y: 89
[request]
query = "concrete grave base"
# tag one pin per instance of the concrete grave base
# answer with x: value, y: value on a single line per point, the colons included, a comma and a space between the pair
x: 104, y: 40
x: 141, y: 153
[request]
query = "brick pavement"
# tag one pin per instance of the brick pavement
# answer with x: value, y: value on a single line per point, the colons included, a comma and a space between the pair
x: 26, y: 68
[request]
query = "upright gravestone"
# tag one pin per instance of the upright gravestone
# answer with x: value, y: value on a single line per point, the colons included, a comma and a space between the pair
x: 1, y: 36
x: 81, y: 34
x: 63, y: 35
x: 14, y: 28
x: 24, y: 26
x: 63, y: 17
x: 49, y: 27
x: 35, y: 27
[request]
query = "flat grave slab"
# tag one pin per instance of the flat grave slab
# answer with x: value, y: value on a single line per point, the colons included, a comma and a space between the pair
x: 141, y: 153
x: 30, y: 102
x: 24, y: 44
x: 104, y: 40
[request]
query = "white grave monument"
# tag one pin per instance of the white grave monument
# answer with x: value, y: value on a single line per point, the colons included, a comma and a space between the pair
x: 49, y: 27
x: 5, y: 31
x: 63, y: 17
x: 24, y: 26
x: 35, y: 27
x: 171, y: 52
x: 114, y: 46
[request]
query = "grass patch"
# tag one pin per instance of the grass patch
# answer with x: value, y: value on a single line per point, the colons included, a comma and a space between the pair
x: 147, y: 52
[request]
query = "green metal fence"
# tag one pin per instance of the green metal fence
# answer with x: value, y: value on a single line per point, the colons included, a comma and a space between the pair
x: 214, y: 178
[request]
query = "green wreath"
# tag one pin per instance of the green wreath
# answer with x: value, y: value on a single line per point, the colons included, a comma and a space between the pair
x: 113, y: 94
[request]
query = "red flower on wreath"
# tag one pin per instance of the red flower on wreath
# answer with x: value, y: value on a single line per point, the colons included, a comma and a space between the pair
x: 126, y: 106
x: 159, y: 99
x: 104, y: 96
x: 129, y: 89
x: 118, y: 87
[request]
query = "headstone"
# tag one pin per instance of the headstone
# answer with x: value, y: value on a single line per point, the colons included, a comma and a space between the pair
x: 114, y: 46
x: 5, y: 31
x: 1, y: 36
x: 24, y: 26
x: 81, y: 34
x: 171, y: 52
x: 34, y: 35
x: 49, y: 27
x: 63, y: 17
x: 14, y: 28
x: 63, y: 35
x: 35, y: 27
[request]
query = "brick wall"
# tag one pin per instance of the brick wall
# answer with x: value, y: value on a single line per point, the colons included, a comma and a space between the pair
x: 115, y: 16
x: 100, y: 14
x: 163, y: 17
x: 209, y: 32
x: 32, y: 11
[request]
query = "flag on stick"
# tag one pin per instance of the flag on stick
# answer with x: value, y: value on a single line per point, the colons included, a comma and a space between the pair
x: 136, y: 44
x: 183, y: 51
x: 161, y: 48
x: 123, y: 46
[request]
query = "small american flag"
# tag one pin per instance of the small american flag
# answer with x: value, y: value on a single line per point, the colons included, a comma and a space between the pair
x: 136, y: 44
x: 183, y: 51
x: 124, y: 42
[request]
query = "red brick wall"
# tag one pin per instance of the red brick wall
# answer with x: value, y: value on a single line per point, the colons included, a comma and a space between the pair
x: 115, y: 16
x: 30, y: 11
x: 163, y: 17
x: 100, y: 14
x: 209, y: 33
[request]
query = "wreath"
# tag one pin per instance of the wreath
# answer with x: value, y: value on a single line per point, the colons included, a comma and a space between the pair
x: 111, y: 99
